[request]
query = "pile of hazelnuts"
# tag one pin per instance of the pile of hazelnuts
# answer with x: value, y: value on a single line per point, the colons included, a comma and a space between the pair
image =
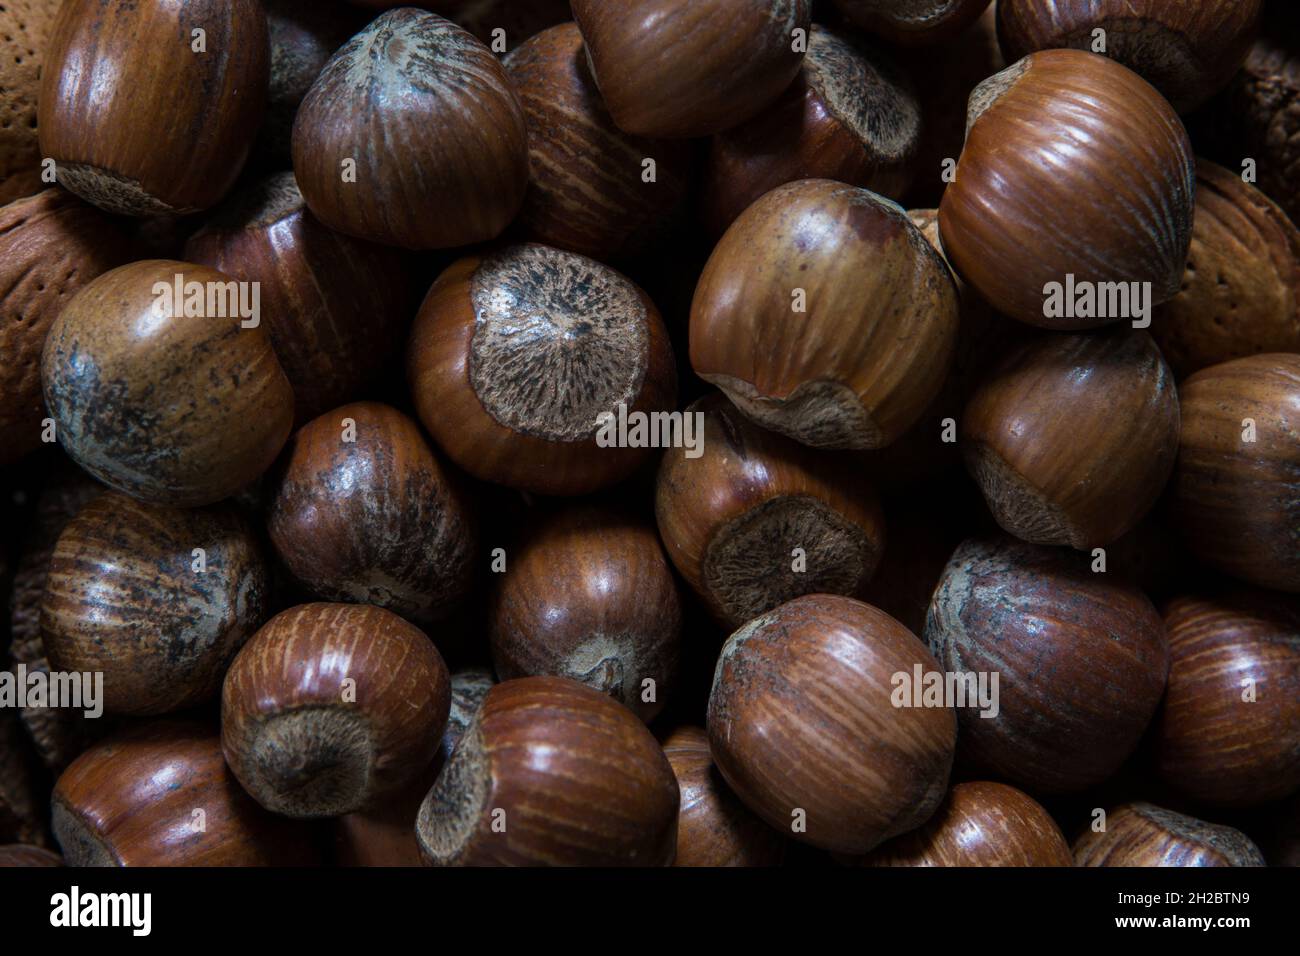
x: 650, y: 432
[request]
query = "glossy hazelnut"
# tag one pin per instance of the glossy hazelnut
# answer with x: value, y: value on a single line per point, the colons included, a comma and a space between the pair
x: 160, y: 794
x: 25, y: 27
x: 1187, y: 51
x: 756, y: 519
x: 1241, y: 290
x: 1142, y: 834
x: 412, y: 136
x: 1080, y: 659
x: 51, y: 245
x: 850, y: 115
x: 1062, y: 129
x: 686, y: 68
x: 588, y: 188
x: 336, y: 308
x: 1235, y: 489
x: 587, y: 594
x: 138, y: 120
x: 913, y: 22
x: 515, y: 356
x: 552, y: 773
x: 825, y: 315
x: 1072, y: 438
x: 1229, y: 731
x: 175, y: 408
x: 18, y: 854
x: 713, y: 827
x: 362, y: 510
x: 127, y: 596
x: 979, y: 824
x: 383, y: 834
x: 803, y: 729
x: 329, y: 706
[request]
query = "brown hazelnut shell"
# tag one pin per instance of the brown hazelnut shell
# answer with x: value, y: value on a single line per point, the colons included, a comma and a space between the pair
x: 552, y: 773
x: 18, y: 854
x: 877, y: 338
x: 181, y: 411
x: 137, y: 121
x: 731, y: 518
x: 688, y: 68
x: 434, y: 127
x: 299, y: 743
x: 1063, y: 129
x: 913, y: 22
x: 800, y: 719
x: 122, y: 597
x: 1142, y: 834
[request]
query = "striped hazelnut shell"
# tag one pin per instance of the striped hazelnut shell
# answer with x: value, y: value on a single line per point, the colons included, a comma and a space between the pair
x: 1142, y: 834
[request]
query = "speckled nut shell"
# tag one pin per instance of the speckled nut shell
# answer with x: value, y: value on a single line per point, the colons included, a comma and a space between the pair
x: 25, y: 27
x: 913, y: 22
x: 732, y: 518
x: 1062, y: 129
x: 875, y: 339
x: 515, y: 355
x: 331, y: 705
x: 336, y: 308
x: 850, y: 115
x: 1187, y: 51
x: 714, y: 828
x: 125, y: 597
x: 802, y: 726
x: 160, y: 794
x: 428, y: 118
x: 1235, y: 491
x: 552, y: 773
x: 1241, y: 290
x: 1081, y: 660
x: 687, y: 68
x: 587, y: 189
x: 1072, y: 438
x: 51, y: 245
x: 1142, y: 834
x: 979, y: 824
x: 132, y: 142
x: 362, y: 510
x: 181, y: 411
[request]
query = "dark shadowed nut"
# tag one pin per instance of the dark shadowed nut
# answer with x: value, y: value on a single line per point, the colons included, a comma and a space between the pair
x: 913, y: 22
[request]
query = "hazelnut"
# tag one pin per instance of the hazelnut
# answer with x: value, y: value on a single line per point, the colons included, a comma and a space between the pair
x: 1062, y: 129
x: 127, y: 596
x: 515, y: 356
x: 137, y: 119
x: 912, y: 22
x: 825, y: 315
x: 802, y: 727
x: 1235, y: 491
x: 329, y: 706
x: 412, y: 136
x: 588, y: 595
x: 850, y: 115
x: 684, y: 68
x: 714, y: 828
x: 1229, y: 731
x: 172, y: 408
x: 362, y: 510
x: 17, y: 854
x: 1080, y: 658
x: 1187, y: 51
x: 51, y: 245
x: 336, y: 307
x: 160, y: 794
x: 979, y: 824
x: 25, y: 27
x: 1142, y: 834
x: 758, y: 519
x: 588, y: 190
x: 1241, y: 290
x: 552, y: 773
x: 1072, y: 438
